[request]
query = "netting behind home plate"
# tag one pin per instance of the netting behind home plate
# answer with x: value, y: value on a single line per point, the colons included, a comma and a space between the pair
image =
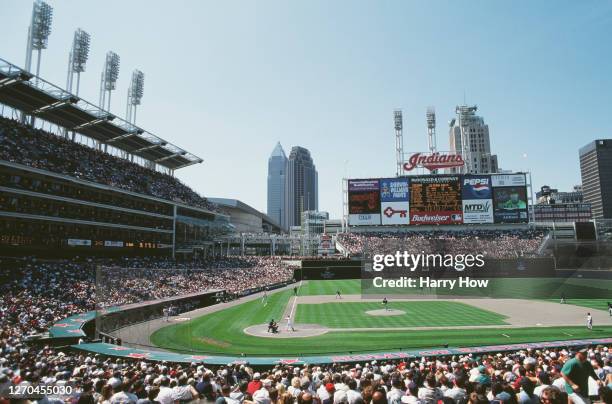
x: 131, y: 303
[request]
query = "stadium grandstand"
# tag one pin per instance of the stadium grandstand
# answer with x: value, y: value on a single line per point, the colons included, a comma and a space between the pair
x: 493, y: 243
x: 121, y: 284
x: 64, y: 197
x: 98, y: 240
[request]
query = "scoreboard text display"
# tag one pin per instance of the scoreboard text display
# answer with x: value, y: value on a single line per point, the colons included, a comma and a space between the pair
x: 438, y: 200
x: 364, y: 202
x: 435, y: 200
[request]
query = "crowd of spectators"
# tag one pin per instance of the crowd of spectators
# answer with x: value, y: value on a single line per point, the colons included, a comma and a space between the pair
x: 149, y: 280
x: 37, y: 148
x: 132, y: 280
x: 521, y: 377
x: 34, y: 294
x: 490, y: 243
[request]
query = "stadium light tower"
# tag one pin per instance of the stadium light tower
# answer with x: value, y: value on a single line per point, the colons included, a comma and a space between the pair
x: 108, y: 82
x: 38, y: 33
x: 134, y: 96
x: 399, y: 140
x: 78, y: 58
x: 431, y: 131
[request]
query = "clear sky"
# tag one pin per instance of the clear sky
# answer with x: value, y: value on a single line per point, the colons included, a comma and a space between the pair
x: 228, y: 79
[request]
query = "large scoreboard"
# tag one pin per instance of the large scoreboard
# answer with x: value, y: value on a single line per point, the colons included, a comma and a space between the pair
x: 435, y: 200
x: 438, y: 199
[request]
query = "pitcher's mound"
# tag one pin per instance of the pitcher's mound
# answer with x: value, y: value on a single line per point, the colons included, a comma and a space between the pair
x: 301, y: 331
x: 383, y: 312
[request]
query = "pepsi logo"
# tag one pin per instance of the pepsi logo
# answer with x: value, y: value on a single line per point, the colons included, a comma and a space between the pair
x: 481, y: 187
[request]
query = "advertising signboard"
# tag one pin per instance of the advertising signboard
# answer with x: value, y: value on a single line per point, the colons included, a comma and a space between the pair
x: 477, y: 199
x: 435, y: 200
x: 508, y: 180
x: 364, y: 202
x: 394, y: 201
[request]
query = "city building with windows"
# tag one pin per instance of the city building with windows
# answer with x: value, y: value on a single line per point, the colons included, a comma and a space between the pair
x: 277, y: 166
x: 595, y: 170
x: 301, y: 186
x: 469, y: 137
x: 313, y: 222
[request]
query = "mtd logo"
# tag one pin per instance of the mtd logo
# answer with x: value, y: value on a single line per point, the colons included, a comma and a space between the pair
x: 480, y: 207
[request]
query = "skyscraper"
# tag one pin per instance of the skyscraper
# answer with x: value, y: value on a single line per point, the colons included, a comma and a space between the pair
x: 469, y: 136
x: 301, y: 186
x: 277, y: 166
x: 595, y: 169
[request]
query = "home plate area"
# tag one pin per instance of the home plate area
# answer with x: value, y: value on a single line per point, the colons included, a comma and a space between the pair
x: 299, y: 331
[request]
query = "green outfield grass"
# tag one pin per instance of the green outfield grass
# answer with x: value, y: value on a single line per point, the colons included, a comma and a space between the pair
x: 596, y: 304
x: 418, y: 314
x: 318, y: 288
x: 222, y: 332
x: 592, y: 293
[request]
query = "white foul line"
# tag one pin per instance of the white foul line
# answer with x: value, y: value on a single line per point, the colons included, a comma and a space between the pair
x: 507, y: 336
x: 295, y: 300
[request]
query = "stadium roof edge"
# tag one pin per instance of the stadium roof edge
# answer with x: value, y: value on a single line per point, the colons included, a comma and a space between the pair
x: 238, y: 204
x: 53, y: 104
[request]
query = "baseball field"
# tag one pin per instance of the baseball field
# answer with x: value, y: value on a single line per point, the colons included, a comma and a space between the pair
x: 324, y: 323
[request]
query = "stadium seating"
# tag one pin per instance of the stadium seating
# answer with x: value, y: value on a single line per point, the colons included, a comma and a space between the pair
x: 36, y: 148
x: 490, y: 243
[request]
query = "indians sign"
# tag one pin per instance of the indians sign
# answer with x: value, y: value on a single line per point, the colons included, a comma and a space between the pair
x: 433, y: 161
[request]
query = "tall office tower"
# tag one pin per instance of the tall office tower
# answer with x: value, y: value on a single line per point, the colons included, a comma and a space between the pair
x: 277, y: 166
x: 469, y: 136
x: 595, y: 170
x: 301, y: 186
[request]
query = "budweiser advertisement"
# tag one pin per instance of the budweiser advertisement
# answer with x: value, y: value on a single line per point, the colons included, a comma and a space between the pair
x: 435, y: 199
x: 433, y: 161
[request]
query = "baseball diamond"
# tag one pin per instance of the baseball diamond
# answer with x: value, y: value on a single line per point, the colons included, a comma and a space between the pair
x: 325, y: 324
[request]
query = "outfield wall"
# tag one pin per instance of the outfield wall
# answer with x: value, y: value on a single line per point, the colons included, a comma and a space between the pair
x: 317, y: 269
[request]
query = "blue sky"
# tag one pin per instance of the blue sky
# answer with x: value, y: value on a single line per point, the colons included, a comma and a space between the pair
x: 226, y: 80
